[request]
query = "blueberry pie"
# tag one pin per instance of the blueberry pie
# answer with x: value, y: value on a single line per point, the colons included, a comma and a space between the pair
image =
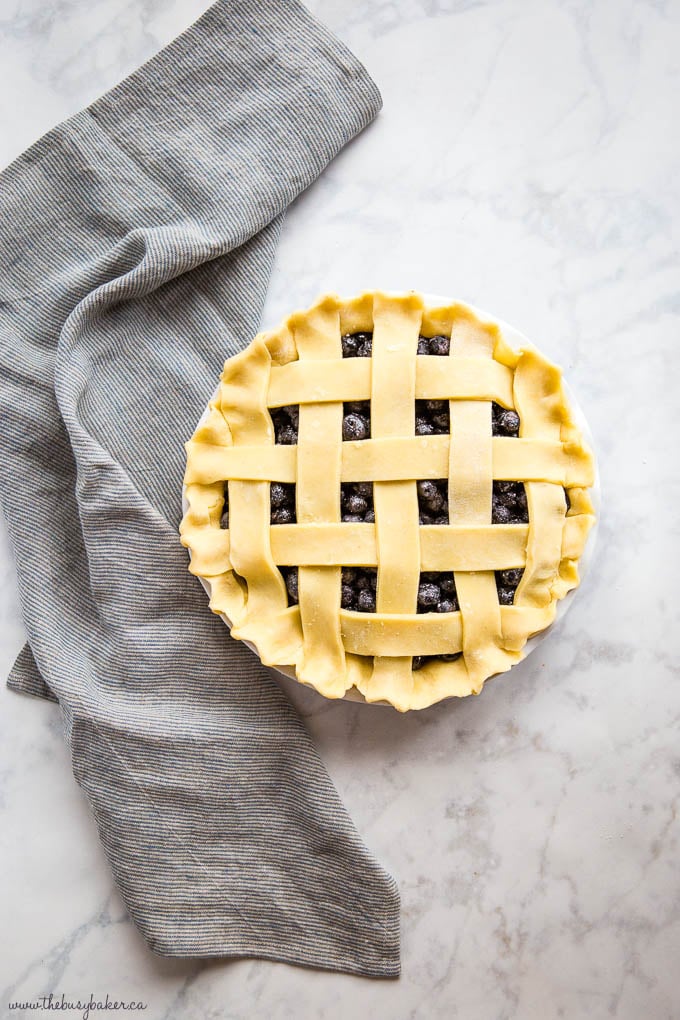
x: 385, y: 495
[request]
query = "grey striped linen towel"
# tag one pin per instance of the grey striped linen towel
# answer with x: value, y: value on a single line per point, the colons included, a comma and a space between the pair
x: 136, y: 241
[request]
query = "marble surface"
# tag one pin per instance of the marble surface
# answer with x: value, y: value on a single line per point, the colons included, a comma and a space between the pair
x: 527, y: 161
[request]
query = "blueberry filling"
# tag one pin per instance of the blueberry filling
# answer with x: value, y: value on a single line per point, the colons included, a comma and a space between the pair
x: 503, y: 422
x: 433, y: 501
x: 509, y: 503
x: 437, y: 345
x: 421, y: 660
x: 509, y: 500
x: 224, y: 519
x: 360, y: 345
x: 506, y: 584
x: 432, y: 418
x: 357, y: 345
x: 290, y: 577
x: 356, y: 420
x: 356, y: 502
x: 437, y: 592
x: 286, y: 422
x: 358, y: 588
x: 282, y: 502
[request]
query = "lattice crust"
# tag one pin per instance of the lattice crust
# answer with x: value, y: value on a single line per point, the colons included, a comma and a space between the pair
x: 333, y: 649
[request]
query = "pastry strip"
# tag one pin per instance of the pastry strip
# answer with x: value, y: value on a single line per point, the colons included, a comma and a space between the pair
x: 393, y: 383
x: 317, y: 336
x: 470, y: 478
x: 301, y: 382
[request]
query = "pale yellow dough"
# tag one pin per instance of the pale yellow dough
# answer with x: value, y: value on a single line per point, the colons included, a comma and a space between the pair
x: 333, y: 649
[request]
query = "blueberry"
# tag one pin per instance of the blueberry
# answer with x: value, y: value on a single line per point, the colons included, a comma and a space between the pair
x: 286, y: 436
x: 435, y: 502
x: 428, y: 594
x: 511, y: 578
x: 435, y: 406
x: 349, y: 575
x: 352, y: 519
x: 500, y: 514
x: 283, y: 515
x: 447, y: 584
x: 224, y: 519
x: 356, y: 504
x: 506, y: 596
x: 423, y: 345
x: 350, y: 343
x: 450, y: 657
x: 277, y: 494
x: 505, y: 421
x: 521, y: 510
x: 293, y: 412
x: 288, y: 496
x: 509, y: 423
x: 440, y: 345
x: 285, y: 420
x: 292, y: 585
x: 426, y: 489
x: 424, y: 427
x: 445, y: 606
x: 418, y: 662
x: 362, y: 581
x: 509, y: 503
x: 347, y: 596
x: 357, y: 501
x: 442, y: 421
x: 356, y: 407
x: 357, y: 345
x: 366, y: 601
x: 354, y: 427
x: 511, y: 497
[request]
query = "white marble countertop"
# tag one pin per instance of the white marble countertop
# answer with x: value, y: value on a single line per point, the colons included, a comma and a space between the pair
x: 527, y: 161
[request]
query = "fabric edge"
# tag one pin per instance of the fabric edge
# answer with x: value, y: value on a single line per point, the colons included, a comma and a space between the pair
x: 25, y: 677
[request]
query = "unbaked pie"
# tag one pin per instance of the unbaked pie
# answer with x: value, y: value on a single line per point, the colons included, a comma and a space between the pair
x: 386, y: 496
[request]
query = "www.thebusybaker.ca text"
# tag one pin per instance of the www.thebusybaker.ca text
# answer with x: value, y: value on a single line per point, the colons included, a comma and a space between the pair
x: 83, y: 1006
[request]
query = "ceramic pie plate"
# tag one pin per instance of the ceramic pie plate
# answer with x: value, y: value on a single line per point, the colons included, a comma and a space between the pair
x: 515, y: 339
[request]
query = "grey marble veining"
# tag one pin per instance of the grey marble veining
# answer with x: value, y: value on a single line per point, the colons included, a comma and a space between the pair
x: 527, y: 161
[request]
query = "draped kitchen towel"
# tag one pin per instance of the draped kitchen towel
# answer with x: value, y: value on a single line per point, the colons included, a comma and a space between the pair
x: 136, y: 241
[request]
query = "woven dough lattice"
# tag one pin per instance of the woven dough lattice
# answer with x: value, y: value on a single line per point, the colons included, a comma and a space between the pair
x: 335, y: 649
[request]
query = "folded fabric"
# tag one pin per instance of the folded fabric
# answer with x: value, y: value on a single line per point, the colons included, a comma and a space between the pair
x: 136, y: 242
